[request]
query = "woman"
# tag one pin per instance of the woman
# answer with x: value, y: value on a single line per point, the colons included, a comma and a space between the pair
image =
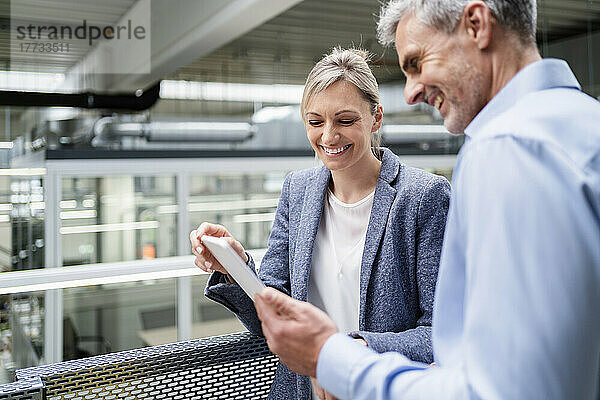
x: 359, y: 237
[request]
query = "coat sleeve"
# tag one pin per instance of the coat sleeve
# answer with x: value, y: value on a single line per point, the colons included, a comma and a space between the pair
x: 415, y: 343
x: 274, y: 270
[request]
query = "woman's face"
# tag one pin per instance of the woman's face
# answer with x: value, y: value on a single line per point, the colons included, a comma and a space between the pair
x: 339, y: 125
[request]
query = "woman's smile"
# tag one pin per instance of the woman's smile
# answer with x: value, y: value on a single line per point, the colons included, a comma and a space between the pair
x: 335, y: 151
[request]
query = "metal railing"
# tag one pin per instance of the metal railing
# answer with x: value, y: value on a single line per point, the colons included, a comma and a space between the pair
x: 49, y: 279
x: 235, y: 366
x: 104, y: 273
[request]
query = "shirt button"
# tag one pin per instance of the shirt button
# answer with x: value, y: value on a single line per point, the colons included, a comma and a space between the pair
x: 340, y: 275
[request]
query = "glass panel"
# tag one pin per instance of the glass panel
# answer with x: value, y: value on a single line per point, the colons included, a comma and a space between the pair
x: 117, y: 218
x: 210, y: 318
x: 244, y: 203
x: 6, y: 206
x: 121, y: 316
x: 21, y: 333
x: 21, y: 223
x: 21, y: 248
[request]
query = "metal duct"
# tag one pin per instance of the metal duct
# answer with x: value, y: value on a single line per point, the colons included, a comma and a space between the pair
x: 108, y: 130
x: 82, y: 100
x: 199, y: 131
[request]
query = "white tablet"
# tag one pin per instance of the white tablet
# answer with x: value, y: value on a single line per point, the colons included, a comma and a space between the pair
x: 234, y: 264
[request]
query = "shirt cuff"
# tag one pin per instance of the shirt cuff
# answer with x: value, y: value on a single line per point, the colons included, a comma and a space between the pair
x: 339, y: 349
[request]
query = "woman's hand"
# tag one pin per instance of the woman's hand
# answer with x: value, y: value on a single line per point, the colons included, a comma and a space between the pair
x: 204, y: 259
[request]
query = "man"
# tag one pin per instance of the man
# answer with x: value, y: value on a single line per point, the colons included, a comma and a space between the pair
x: 517, y: 308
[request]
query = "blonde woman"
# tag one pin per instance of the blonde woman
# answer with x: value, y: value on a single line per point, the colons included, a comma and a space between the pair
x: 359, y: 237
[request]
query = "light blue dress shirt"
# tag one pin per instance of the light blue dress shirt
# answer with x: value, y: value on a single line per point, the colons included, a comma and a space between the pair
x: 517, y: 306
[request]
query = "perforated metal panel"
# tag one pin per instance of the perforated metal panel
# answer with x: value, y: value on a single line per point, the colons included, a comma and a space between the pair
x: 27, y: 389
x: 236, y: 366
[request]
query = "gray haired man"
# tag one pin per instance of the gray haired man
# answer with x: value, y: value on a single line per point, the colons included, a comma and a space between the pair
x: 516, y: 312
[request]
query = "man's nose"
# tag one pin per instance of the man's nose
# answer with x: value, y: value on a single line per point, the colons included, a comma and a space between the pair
x: 414, y: 91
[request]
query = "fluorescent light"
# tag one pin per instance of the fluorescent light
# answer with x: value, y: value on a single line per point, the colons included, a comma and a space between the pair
x: 68, y: 204
x: 262, y: 217
x: 22, y: 171
x: 78, y: 214
x: 88, y: 203
x: 219, y: 91
x: 127, y: 226
x: 58, y: 113
x: 33, y: 82
x: 267, y: 114
x: 200, y: 126
x: 414, y: 129
x: 6, y: 145
x: 6, y: 207
x: 233, y: 205
x: 222, y: 205
x: 172, y: 209
x: 40, y: 205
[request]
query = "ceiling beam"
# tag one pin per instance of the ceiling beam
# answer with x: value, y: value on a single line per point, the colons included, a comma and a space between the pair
x: 181, y: 32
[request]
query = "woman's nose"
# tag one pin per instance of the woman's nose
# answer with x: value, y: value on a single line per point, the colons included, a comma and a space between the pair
x: 329, y: 133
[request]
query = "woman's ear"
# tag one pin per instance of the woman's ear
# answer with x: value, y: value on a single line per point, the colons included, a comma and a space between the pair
x: 378, y: 119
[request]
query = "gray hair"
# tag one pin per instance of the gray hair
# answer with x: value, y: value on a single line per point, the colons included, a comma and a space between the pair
x: 519, y: 16
x: 350, y: 65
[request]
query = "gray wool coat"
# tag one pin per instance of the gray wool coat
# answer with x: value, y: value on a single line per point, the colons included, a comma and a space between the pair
x: 399, y: 264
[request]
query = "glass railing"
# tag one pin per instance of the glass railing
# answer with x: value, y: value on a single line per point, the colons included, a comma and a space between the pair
x: 105, y: 308
x: 89, y: 249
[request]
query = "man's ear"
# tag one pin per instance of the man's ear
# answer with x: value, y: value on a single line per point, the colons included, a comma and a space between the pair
x: 478, y: 23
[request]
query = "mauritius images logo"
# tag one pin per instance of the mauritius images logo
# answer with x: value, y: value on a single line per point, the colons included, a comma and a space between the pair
x: 121, y: 46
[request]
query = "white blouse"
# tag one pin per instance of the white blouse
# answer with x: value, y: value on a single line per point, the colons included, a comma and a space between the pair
x: 334, y: 284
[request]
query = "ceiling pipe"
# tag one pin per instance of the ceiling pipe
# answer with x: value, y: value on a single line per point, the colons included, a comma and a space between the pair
x: 108, y: 129
x: 87, y: 100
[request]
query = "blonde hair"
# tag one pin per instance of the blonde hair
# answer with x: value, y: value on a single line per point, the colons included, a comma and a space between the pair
x: 350, y: 65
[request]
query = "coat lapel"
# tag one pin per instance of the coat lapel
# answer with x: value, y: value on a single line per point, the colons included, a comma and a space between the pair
x: 312, y: 208
x: 382, y: 203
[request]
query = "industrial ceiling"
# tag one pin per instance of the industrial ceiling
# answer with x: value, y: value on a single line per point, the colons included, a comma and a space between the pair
x: 284, y: 49
x: 281, y: 49
x: 251, y: 41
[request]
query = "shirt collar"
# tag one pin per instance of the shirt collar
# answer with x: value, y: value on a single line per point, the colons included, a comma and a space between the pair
x: 540, y: 75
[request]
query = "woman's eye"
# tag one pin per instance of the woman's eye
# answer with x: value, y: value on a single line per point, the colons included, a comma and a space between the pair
x: 347, y: 121
x: 314, y: 122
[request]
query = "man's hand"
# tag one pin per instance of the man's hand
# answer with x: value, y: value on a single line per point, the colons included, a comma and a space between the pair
x: 295, y: 330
